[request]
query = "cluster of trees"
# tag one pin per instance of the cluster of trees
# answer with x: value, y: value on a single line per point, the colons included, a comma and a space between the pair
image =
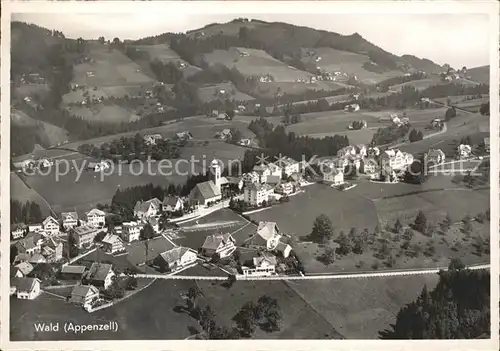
x: 418, y: 172
x: 457, y: 308
x: 24, y: 138
x: 415, y: 135
x: 356, y: 125
x: 389, y: 134
x: 28, y: 212
x: 450, y: 113
x: 167, y: 73
x: 291, y: 118
x: 129, y: 148
x: 485, y: 109
x: 386, y: 84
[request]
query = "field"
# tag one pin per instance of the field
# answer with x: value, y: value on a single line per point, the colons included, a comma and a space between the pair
x: 360, y: 308
x: 480, y: 74
x: 23, y: 193
x: 257, y: 63
x: 420, y: 84
x: 108, y: 113
x: 110, y: 68
x: 270, y: 90
x: 164, y: 54
x: 351, y: 63
x: 212, y: 92
x: 32, y: 89
x: 49, y: 133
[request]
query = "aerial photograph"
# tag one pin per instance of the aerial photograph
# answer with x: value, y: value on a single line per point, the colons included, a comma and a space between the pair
x: 249, y: 176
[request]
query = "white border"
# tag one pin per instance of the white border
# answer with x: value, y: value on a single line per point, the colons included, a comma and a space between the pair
x: 253, y: 7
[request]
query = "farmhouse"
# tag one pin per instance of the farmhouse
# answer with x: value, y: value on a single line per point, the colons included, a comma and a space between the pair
x: 435, y: 156
x: 175, y: 259
x: 464, y: 151
x: 151, y: 139
x: 18, y: 231
x: 265, y: 170
x: 50, y: 226
x: 112, y: 244
x: 147, y: 209
x: 333, y: 175
x: 172, y: 204
x: 267, y: 236
x: 84, y: 295
x: 264, y: 265
x: 53, y: 249
x: 100, y: 275
x: 368, y: 165
x: 69, y: 220
x: 96, y: 218
x: 395, y: 159
x: 84, y: 235
x: 220, y: 244
x: 256, y: 194
x: 70, y: 272
x: 131, y: 231
x: 183, y: 136
x: 288, y: 166
x: 98, y: 166
x: 27, y: 288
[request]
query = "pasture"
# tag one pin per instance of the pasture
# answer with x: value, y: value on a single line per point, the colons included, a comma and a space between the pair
x: 32, y: 89
x: 333, y: 60
x: 109, y: 67
x: 419, y: 84
x: 104, y: 113
x: 480, y: 74
x: 257, y: 63
x: 270, y: 89
x: 222, y: 91
x: 49, y: 133
x: 21, y: 192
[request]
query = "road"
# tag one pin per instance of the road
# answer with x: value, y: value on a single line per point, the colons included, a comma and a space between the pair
x: 317, y: 276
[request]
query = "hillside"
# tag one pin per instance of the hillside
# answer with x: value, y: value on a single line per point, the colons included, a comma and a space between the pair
x: 480, y: 74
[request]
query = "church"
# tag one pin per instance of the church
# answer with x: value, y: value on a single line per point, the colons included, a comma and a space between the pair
x: 208, y: 192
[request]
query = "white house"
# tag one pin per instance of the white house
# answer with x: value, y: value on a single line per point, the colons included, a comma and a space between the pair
x: 100, y: 275
x: 395, y: 159
x: 288, y: 165
x: 50, y: 226
x: 264, y: 265
x: 436, y: 156
x: 172, y: 204
x: 18, y: 231
x: 255, y: 194
x: 151, y: 139
x: 464, y: 151
x: 175, y: 259
x: 351, y: 108
x: 250, y: 178
x: 131, y: 231
x: 221, y: 244
x: 267, y: 236
x: 98, y: 166
x: 285, y: 188
x: 112, y: 244
x: 283, y: 249
x: 96, y: 218
x: 333, y: 175
x: 69, y: 220
x: 35, y: 228
x: 27, y: 288
x: 265, y: 170
x: 84, y: 235
x: 368, y: 165
x: 84, y: 295
x: 147, y: 209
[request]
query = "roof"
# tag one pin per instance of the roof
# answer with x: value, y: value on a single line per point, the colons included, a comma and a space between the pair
x: 18, y: 226
x: 267, y: 230
x: 73, y: 269
x: 14, y: 270
x: 49, y: 219
x: 84, y: 230
x: 95, y: 212
x: 144, y: 206
x: 208, y: 190
x: 214, y: 241
x: 174, y: 254
x: 286, y: 161
x: 52, y: 242
x: 259, y: 186
x: 282, y: 246
x: 26, y: 284
x: 69, y: 216
x: 171, y: 200
x: 26, y: 243
x: 111, y: 239
x: 25, y: 267
x: 83, y: 290
x: 99, y: 271
x: 257, y: 261
x: 37, y: 258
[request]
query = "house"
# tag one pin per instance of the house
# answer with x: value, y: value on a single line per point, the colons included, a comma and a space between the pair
x: 151, y: 139
x: 283, y: 249
x: 37, y: 258
x: 112, y: 244
x: 347, y: 151
x: 264, y: 265
x: 395, y: 159
x: 18, y: 231
x: 69, y: 220
x: 373, y: 151
x: 351, y: 108
x: 84, y: 295
x: 52, y: 249
x: 222, y: 116
x: 27, y: 288
x: 183, y: 136
x: 361, y: 150
x: 437, y: 123
x: 96, y: 218
x: 265, y: 170
x: 154, y: 223
x: 100, y: 275
x: 30, y: 244
x: 131, y: 231
x: 221, y: 244
x: 69, y: 272
x: 464, y: 151
x: 225, y: 134
x: 435, y: 156
x: 50, y: 226
x: 250, y: 178
x: 285, y: 188
x: 98, y: 166
x: 244, y: 142
x: 288, y: 165
x: 15, y: 272
x: 175, y: 259
x: 486, y: 143
x: 172, y: 204
x: 256, y: 194
x: 147, y: 209
x: 267, y: 236
x: 35, y: 228
x: 333, y: 175
x: 84, y: 235
x: 368, y: 165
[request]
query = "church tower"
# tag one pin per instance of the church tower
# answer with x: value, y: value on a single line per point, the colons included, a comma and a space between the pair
x: 215, y: 173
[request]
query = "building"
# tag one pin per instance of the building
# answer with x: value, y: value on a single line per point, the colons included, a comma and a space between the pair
x: 267, y: 236
x: 25, y: 268
x: 15, y: 272
x: 351, y: 108
x: 285, y: 188
x: 96, y: 218
x: 395, y: 159
x: 69, y: 272
x: 221, y: 244
x: 52, y: 249
x: 264, y: 265
x: 288, y: 166
x: 435, y: 156
x: 98, y: 166
x: 147, y: 209
x: 266, y: 170
x: 283, y: 249
x: 84, y: 235
x: 36, y: 259
x: 172, y: 204
x: 27, y: 288
x: 131, y: 231
x: 250, y: 178
x: 184, y: 136
x: 208, y: 192
x: 175, y: 259
x: 486, y: 143
x: 18, y: 231
x: 368, y: 165
x: 256, y: 194
x: 333, y: 175
x: 112, y: 244
x: 154, y: 223
x: 84, y: 295
x: 222, y: 116
x: 347, y: 151
x: 50, y: 226
x: 30, y: 244
x: 35, y: 228
x: 151, y: 139
x: 100, y: 275
x: 464, y: 151
x: 69, y: 220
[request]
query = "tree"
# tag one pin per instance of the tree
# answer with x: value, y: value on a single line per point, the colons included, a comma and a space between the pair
x: 269, y: 312
x: 147, y: 232
x: 322, y: 229
x: 456, y: 264
x: 446, y: 223
x: 485, y: 109
x: 71, y: 248
x: 398, y: 227
x: 408, y: 234
x: 450, y: 113
x: 230, y: 114
x: 192, y: 296
x: 420, y: 222
x: 345, y: 244
x: 246, y: 319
